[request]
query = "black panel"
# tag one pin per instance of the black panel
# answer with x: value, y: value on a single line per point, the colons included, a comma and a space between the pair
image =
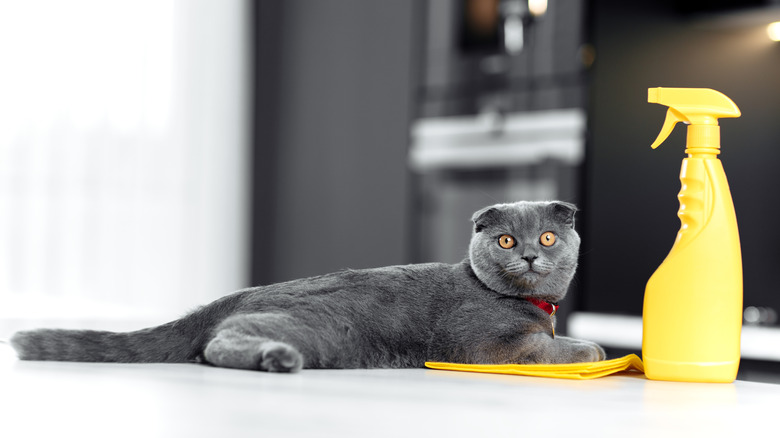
x: 630, y: 216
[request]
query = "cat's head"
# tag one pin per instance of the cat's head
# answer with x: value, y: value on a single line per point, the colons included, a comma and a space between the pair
x: 526, y: 249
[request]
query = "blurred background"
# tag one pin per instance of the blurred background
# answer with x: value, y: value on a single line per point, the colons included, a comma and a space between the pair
x: 156, y: 155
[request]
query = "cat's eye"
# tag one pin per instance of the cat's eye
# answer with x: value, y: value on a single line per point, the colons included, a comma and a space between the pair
x: 548, y: 238
x: 506, y: 241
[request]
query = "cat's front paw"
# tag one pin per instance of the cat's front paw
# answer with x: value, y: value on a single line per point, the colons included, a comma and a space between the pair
x: 279, y: 357
x: 571, y: 350
x: 587, y: 351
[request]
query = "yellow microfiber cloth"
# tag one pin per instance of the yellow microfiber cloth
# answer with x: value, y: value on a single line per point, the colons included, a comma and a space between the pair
x: 576, y: 371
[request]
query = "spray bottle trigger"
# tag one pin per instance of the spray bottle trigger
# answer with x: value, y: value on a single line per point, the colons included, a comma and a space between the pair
x: 672, y: 117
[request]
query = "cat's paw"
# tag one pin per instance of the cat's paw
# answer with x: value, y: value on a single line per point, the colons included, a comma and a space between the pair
x: 587, y: 351
x: 278, y: 357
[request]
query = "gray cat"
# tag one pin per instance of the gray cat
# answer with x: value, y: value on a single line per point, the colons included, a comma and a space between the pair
x: 495, y: 307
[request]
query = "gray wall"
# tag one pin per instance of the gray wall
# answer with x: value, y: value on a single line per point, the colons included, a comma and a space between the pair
x: 334, y: 102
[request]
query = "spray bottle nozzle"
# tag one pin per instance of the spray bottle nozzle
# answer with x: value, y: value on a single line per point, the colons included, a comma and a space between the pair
x: 693, y: 106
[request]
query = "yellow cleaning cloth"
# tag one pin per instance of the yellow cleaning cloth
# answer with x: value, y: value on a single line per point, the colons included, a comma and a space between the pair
x: 577, y: 371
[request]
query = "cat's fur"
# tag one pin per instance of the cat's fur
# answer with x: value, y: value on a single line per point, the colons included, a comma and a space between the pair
x: 393, y: 317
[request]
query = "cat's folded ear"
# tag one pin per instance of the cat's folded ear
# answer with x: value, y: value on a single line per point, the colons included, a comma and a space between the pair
x: 564, y: 212
x: 484, y: 218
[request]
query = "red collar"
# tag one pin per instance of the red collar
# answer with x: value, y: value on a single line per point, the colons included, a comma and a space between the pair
x: 550, y: 308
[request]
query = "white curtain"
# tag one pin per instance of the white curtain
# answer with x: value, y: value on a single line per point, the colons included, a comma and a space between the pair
x: 123, y: 158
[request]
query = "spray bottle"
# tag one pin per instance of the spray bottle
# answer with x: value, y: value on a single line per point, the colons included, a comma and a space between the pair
x: 692, y: 317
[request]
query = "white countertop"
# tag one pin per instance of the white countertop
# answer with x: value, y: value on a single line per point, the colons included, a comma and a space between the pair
x: 170, y: 400
x: 624, y: 331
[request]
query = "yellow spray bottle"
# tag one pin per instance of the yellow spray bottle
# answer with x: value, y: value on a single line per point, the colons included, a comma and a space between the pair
x: 692, y: 317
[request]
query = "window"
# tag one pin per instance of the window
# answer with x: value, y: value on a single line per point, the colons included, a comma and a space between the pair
x: 123, y: 148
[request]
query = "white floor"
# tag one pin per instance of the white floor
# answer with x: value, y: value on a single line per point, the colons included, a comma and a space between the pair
x: 158, y: 400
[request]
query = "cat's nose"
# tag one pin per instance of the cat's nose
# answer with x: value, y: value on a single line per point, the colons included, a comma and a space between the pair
x: 530, y: 257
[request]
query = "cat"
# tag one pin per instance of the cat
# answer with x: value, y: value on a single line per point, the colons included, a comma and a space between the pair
x: 495, y: 307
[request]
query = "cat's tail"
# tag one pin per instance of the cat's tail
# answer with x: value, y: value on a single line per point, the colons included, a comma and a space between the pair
x: 182, y: 340
x: 156, y: 344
